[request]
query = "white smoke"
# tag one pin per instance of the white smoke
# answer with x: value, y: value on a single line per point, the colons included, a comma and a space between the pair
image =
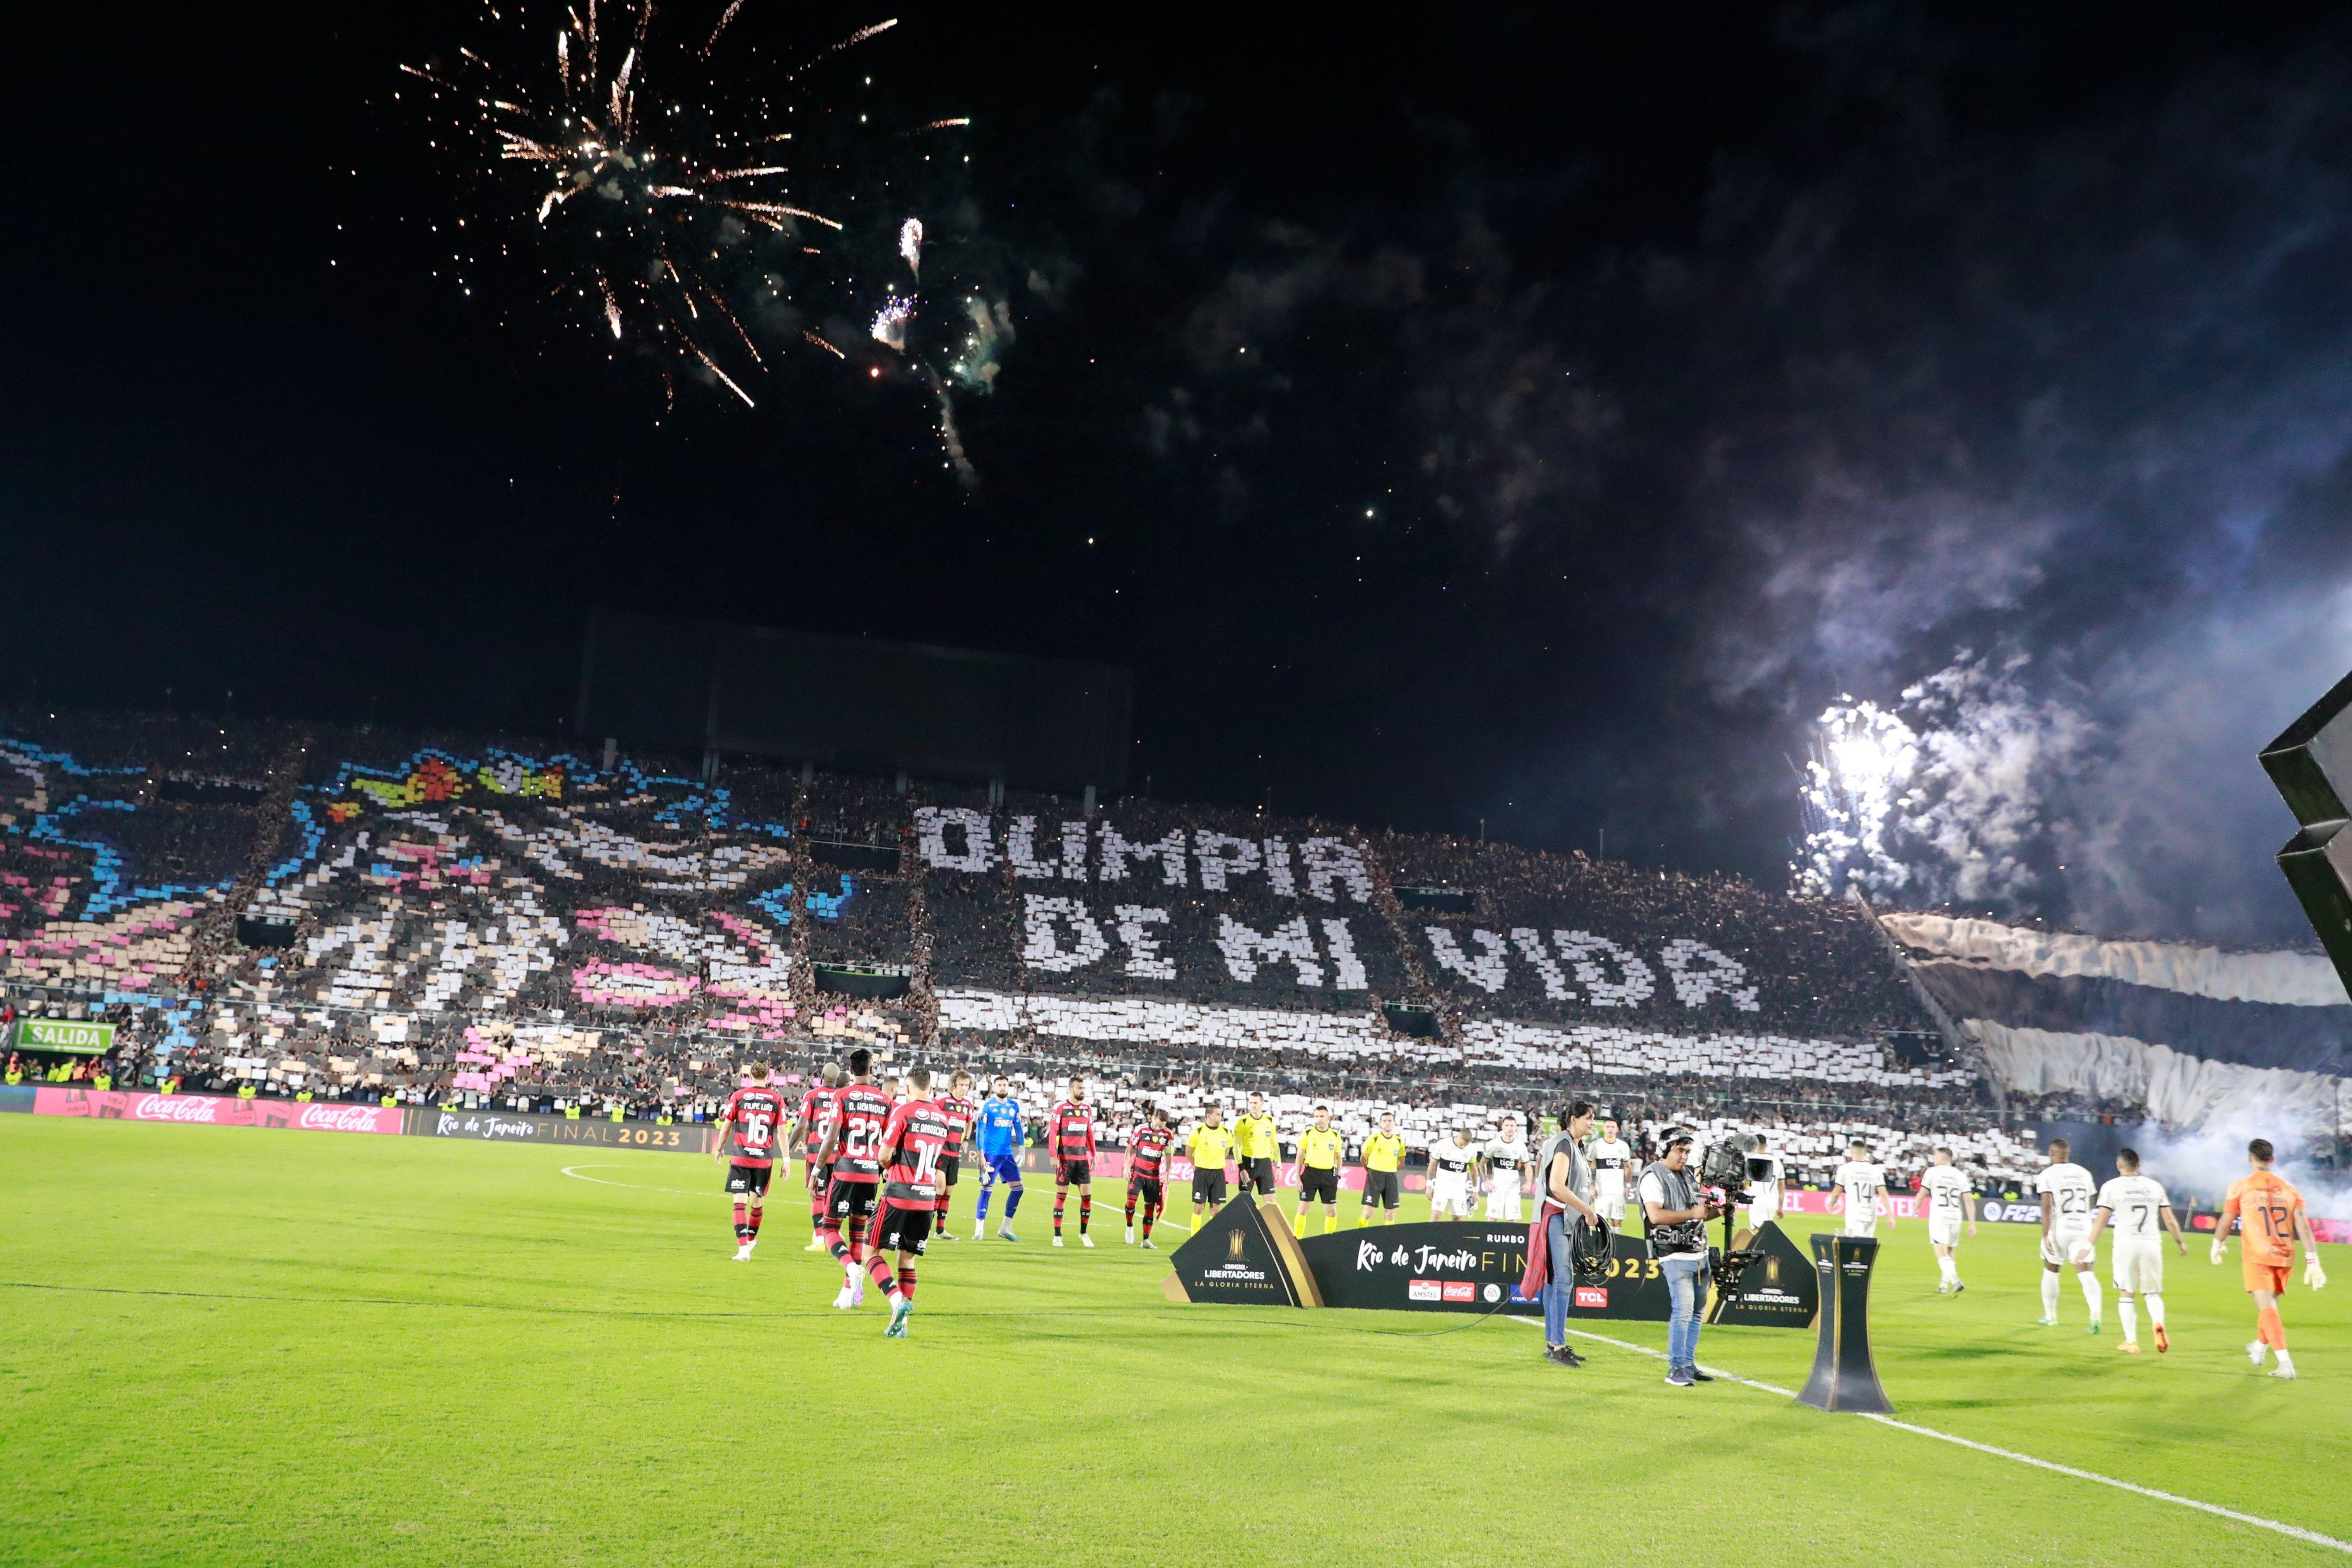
x: 2204, y: 1163
x: 1943, y: 798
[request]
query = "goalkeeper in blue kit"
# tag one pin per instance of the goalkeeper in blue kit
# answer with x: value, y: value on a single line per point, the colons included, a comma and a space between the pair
x: 999, y: 1129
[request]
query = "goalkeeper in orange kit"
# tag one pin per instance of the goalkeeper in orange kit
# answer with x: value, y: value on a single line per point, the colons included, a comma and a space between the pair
x: 2271, y: 1220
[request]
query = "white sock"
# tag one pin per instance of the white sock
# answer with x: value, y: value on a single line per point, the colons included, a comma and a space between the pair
x: 895, y: 1299
x: 2287, y: 1361
x: 2155, y: 1308
x: 2091, y: 1293
x: 2128, y: 1310
x: 1948, y: 1269
x: 2048, y: 1294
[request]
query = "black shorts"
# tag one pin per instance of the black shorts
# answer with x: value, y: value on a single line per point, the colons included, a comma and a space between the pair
x: 847, y: 1199
x: 1074, y: 1172
x: 1257, y: 1174
x: 948, y: 1171
x: 1208, y: 1186
x: 748, y: 1179
x: 1318, y: 1186
x: 900, y: 1228
x: 1381, y: 1186
x: 1144, y: 1188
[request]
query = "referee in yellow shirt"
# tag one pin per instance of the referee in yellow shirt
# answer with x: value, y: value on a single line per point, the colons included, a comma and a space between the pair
x: 1318, y: 1171
x: 1208, y: 1147
x: 1383, y: 1153
x: 1257, y: 1145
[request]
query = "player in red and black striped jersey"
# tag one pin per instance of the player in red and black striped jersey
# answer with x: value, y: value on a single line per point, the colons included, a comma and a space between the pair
x: 808, y: 1130
x: 751, y: 1139
x: 1070, y: 1142
x: 853, y: 1147
x: 1147, y: 1164
x: 957, y: 1106
x: 914, y: 1143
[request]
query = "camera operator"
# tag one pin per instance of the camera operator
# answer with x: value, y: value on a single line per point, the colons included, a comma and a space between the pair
x: 1678, y: 1213
x: 1564, y: 1200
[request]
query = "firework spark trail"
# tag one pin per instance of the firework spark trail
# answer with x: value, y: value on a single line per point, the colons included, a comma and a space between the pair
x: 658, y: 210
x: 728, y: 16
x: 660, y: 150
x: 850, y: 42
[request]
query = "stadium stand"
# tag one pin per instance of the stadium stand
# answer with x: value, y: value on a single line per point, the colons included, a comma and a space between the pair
x: 352, y: 914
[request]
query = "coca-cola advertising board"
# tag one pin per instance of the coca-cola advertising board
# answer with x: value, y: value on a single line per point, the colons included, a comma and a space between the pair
x: 214, y: 1110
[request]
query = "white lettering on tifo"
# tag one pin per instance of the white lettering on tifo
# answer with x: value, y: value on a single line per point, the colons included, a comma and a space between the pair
x: 1245, y: 948
x: 932, y: 824
x: 1144, y: 958
x: 1584, y: 951
x: 1042, y: 920
x: 1486, y: 971
x: 1117, y: 849
x: 1699, y: 971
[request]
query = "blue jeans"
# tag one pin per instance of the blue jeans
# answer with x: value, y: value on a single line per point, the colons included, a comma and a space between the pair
x: 1563, y: 1284
x: 1684, y: 1270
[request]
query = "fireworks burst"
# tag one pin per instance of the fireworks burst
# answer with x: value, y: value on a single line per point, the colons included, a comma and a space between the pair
x: 661, y: 203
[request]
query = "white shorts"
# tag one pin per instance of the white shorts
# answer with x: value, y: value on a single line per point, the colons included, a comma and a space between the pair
x: 1861, y: 1224
x: 1503, y: 1204
x: 1450, y: 1194
x: 2139, y: 1265
x: 2068, y: 1246
x: 1757, y: 1213
x: 1944, y: 1231
x: 1610, y: 1199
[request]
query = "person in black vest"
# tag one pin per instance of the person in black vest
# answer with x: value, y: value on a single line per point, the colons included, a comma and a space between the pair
x: 1678, y: 1214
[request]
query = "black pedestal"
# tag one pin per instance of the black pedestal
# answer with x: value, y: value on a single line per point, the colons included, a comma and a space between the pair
x: 1845, y: 1378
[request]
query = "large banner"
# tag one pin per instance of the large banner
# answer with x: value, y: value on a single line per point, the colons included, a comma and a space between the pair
x: 1459, y: 1266
x: 214, y: 1110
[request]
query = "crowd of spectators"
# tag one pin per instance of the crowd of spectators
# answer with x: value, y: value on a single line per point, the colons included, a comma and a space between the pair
x: 561, y: 929
x: 1813, y: 967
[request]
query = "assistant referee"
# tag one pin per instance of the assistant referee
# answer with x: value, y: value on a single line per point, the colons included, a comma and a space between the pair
x: 1383, y: 1153
x: 1318, y: 1171
x: 1207, y: 1147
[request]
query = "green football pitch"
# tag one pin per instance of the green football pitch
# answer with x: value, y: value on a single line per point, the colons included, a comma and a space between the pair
x: 231, y: 1345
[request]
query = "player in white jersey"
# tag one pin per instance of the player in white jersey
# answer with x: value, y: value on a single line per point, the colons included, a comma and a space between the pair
x: 1948, y: 1197
x: 1453, y: 1165
x: 1506, y: 1159
x: 1764, y: 1196
x: 2066, y: 1190
x: 1860, y: 1183
x: 1612, y: 1164
x: 2139, y: 1210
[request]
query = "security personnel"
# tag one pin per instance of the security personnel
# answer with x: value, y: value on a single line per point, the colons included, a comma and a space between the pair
x: 1257, y: 1145
x: 1318, y: 1171
x: 1383, y: 1153
x: 1207, y: 1148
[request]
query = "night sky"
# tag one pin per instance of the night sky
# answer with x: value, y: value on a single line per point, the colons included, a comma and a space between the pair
x: 1530, y: 415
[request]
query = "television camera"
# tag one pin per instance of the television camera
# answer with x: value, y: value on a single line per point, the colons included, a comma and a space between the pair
x: 1726, y: 1171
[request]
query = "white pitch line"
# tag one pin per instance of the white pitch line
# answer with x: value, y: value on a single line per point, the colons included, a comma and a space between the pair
x: 573, y: 1172
x: 2295, y: 1531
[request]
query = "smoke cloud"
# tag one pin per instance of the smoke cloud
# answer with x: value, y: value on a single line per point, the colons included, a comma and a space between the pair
x: 2028, y: 431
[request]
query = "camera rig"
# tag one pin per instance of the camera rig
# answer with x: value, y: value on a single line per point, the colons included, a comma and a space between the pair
x: 1726, y: 1171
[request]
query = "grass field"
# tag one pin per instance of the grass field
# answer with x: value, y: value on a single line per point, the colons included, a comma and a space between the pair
x: 230, y: 1345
